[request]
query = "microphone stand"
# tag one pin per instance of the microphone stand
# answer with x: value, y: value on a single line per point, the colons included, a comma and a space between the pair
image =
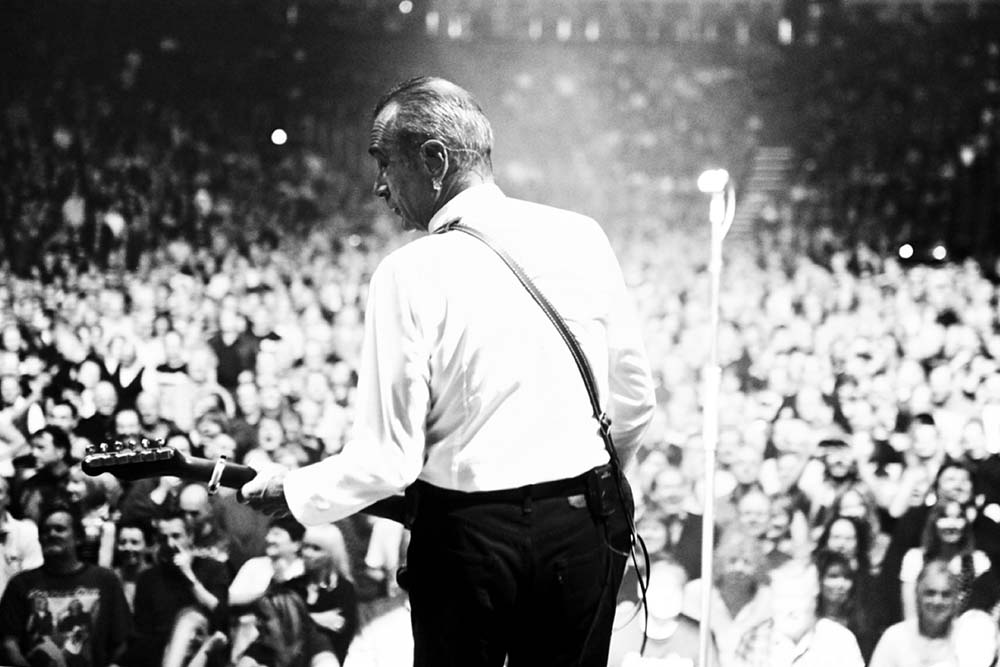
x: 722, y: 210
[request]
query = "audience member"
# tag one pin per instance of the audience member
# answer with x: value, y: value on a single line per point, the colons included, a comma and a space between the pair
x: 671, y: 636
x: 208, y: 539
x: 20, y: 549
x: 175, y: 581
x: 794, y: 634
x: 669, y: 495
x: 287, y: 637
x: 327, y: 586
x: 740, y: 592
x: 50, y: 451
x: 843, y: 598
x: 947, y: 537
x: 937, y: 634
x: 66, y: 611
x: 133, y: 551
x: 281, y: 561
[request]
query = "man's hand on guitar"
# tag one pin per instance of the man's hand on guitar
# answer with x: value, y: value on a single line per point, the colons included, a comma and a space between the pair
x: 266, y: 493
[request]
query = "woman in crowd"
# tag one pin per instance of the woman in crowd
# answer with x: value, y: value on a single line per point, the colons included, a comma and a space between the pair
x: 844, y: 600
x: 787, y: 535
x: 849, y: 537
x: 90, y: 494
x: 859, y: 503
x: 327, y: 586
x: 287, y: 636
x: 281, y: 561
x: 947, y: 537
x: 954, y: 482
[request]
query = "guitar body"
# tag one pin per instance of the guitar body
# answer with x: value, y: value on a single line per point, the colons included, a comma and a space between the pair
x: 145, y: 458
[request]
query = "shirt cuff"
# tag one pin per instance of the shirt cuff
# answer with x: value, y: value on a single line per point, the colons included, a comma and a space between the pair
x: 307, y: 502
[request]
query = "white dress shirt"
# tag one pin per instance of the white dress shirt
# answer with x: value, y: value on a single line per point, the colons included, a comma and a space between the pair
x: 464, y: 382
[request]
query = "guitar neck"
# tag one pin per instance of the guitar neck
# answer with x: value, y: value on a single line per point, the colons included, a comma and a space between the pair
x: 132, y: 461
x: 234, y: 475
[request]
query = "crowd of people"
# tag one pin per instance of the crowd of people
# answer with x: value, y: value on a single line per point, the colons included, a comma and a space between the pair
x: 165, y: 277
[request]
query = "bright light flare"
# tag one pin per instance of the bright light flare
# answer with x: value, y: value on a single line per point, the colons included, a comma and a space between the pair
x: 905, y: 251
x: 279, y: 137
x: 939, y: 252
x: 405, y: 7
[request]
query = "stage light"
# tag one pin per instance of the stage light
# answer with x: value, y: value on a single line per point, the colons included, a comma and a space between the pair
x: 939, y: 252
x: 279, y: 137
x: 405, y: 7
x: 967, y: 154
x: 905, y: 251
x: 432, y: 22
x: 535, y: 28
x: 784, y: 31
x: 564, y: 29
x: 713, y: 180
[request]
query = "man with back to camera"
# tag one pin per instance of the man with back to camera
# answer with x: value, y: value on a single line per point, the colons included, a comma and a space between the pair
x: 468, y: 393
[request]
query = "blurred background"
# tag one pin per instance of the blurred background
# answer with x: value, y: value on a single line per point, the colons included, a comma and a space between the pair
x: 187, y: 230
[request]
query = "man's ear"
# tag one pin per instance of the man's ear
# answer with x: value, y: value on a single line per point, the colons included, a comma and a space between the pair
x: 434, y: 156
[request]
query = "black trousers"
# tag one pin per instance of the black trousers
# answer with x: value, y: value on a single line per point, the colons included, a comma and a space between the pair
x: 528, y: 574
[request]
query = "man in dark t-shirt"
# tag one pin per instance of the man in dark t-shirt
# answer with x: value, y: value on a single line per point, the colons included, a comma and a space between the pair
x: 67, y: 611
x: 176, y: 581
x: 49, y: 452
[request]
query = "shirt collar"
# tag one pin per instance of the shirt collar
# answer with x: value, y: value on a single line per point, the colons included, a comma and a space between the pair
x: 470, y: 200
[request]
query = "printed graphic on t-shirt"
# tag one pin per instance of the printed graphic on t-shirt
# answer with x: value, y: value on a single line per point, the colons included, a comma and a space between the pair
x: 59, y: 627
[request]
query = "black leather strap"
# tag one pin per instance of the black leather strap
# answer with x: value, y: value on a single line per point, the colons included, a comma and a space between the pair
x: 571, y: 342
x: 588, y: 380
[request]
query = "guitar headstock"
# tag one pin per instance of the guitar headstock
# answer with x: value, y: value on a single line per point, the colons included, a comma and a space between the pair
x: 132, y: 459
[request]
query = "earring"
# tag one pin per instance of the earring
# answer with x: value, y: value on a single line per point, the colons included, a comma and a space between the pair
x: 436, y: 184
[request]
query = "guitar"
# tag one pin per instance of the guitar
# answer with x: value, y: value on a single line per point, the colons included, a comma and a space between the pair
x: 142, y: 458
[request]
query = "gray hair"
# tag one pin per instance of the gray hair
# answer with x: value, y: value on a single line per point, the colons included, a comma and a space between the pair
x: 433, y: 108
x: 937, y: 566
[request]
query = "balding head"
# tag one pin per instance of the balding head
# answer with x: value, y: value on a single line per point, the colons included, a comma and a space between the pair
x: 193, y: 502
x: 105, y: 398
x: 127, y: 424
x: 148, y: 407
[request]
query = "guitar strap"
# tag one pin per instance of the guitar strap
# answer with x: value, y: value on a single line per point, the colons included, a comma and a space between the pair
x: 572, y: 343
x: 603, y: 421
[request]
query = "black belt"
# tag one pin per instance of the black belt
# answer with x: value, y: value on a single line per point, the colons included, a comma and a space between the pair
x: 557, y: 488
